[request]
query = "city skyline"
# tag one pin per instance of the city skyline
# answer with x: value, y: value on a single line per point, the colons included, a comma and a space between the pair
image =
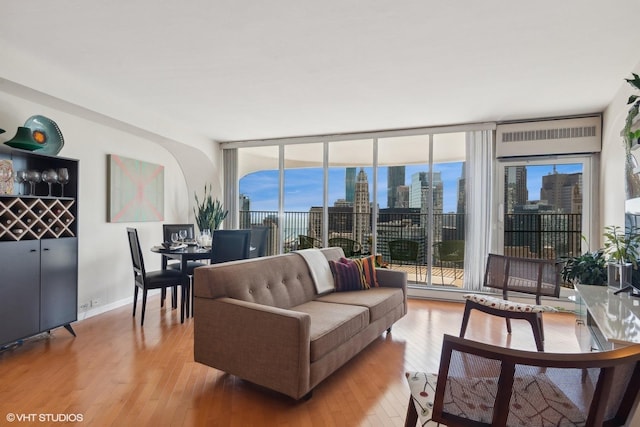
x: 303, y: 187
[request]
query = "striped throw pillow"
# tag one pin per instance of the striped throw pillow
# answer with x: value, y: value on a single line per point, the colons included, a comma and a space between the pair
x: 347, y: 275
x: 368, y: 268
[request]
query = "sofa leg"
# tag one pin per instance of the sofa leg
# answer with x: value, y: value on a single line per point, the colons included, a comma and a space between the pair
x: 307, y: 396
x: 389, y: 330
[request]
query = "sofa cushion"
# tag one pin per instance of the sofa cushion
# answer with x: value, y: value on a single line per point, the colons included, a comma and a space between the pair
x: 347, y: 275
x: 332, y: 325
x: 379, y: 301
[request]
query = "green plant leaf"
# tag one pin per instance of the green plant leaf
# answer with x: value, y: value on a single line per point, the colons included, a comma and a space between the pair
x: 209, y: 213
x: 635, y: 82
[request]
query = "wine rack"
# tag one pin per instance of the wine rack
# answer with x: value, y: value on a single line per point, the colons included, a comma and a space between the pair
x: 29, y: 218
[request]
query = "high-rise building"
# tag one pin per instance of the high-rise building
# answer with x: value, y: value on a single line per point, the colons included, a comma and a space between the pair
x: 460, y: 206
x: 420, y: 190
x: 560, y: 190
x: 402, y: 197
x: 421, y: 193
x: 340, y: 221
x: 395, y: 179
x: 515, y: 185
x: 245, y: 206
x: 361, y: 208
x: 314, y: 228
x: 350, y: 184
x: 418, y: 180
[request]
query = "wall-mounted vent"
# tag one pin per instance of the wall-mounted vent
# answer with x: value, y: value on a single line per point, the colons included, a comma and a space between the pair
x: 561, y: 136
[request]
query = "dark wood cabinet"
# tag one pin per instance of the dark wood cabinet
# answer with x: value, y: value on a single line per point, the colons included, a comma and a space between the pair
x: 38, y: 250
x: 19, y: 290
x: 58, y: 282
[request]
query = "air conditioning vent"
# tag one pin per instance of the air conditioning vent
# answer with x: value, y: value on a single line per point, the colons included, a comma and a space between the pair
x: 561, y: 136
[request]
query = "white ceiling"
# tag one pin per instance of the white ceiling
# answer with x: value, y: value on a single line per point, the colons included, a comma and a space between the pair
x: 236, y: 70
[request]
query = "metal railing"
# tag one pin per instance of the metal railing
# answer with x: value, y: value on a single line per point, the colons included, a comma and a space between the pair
x: 546, y: 236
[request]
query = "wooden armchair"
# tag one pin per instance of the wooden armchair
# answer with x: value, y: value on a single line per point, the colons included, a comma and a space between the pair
x: 524, y: 275
x: 485, y: 385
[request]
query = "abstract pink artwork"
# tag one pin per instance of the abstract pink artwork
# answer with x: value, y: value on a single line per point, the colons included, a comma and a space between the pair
x: 136, y: 190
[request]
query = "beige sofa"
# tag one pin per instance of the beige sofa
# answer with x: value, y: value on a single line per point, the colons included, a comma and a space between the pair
x: 262, y: 320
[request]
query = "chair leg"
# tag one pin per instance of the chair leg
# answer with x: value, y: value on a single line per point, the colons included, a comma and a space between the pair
x: 465, y: 319
x: 412, y: 414
x: 187, y: 307
x: 174, y: 297
x: 135, y: 299
x: 192, y: 293
x: 508, y: 324
x: 541, y: 325
x: 163, y: 296
x: 538, y: 334
x: 144, y: 306
x: 183, y: 301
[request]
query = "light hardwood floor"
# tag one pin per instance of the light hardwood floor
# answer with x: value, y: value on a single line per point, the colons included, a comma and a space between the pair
x: 117, y: 373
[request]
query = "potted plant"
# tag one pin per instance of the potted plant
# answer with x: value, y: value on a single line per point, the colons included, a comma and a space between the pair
x: 588, y: 269
x: 209, y: 213
x: 631, y: 140
x: 631, y: 133
x: 622, y: 250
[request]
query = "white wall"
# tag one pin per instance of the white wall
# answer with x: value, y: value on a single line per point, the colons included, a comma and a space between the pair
x: 612, y: 179
x: 104, y: 257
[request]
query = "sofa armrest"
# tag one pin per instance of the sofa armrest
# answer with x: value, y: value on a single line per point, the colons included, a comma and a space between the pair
x: 392, y: 278
x: 262, y: 344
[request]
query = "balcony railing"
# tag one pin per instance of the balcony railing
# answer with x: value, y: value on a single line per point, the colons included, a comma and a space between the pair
x: 548, y: 236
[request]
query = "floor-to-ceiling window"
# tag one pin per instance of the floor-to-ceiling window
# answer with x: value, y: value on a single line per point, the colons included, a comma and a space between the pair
x: 303, y: 193
x: 544, y: 206
x: 351, y: 190
x: 260, y: 195
x: 366, y: 190
x: 373, y: 191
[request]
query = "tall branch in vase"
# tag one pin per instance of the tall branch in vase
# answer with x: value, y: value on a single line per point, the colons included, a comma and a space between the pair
x: 209, y: 213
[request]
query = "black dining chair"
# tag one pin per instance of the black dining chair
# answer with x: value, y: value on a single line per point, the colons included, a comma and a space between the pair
x: 259, y: 237
x: 146, y: 280
x: 230, y: 245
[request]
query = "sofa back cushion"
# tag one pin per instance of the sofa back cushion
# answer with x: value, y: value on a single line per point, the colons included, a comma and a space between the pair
x: 280, y: 281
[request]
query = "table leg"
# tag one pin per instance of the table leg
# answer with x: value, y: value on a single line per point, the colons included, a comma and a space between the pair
x: 183, y: 291
x: 187, y: 285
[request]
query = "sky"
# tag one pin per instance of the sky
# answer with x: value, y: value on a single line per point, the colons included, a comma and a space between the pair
x: 303, y: 187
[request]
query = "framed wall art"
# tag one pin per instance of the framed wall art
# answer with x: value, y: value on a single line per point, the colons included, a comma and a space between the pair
x: 136, y: 190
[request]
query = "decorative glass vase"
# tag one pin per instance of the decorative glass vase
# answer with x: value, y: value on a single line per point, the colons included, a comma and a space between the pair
x: 204, y: 238
x: 619, y: 275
